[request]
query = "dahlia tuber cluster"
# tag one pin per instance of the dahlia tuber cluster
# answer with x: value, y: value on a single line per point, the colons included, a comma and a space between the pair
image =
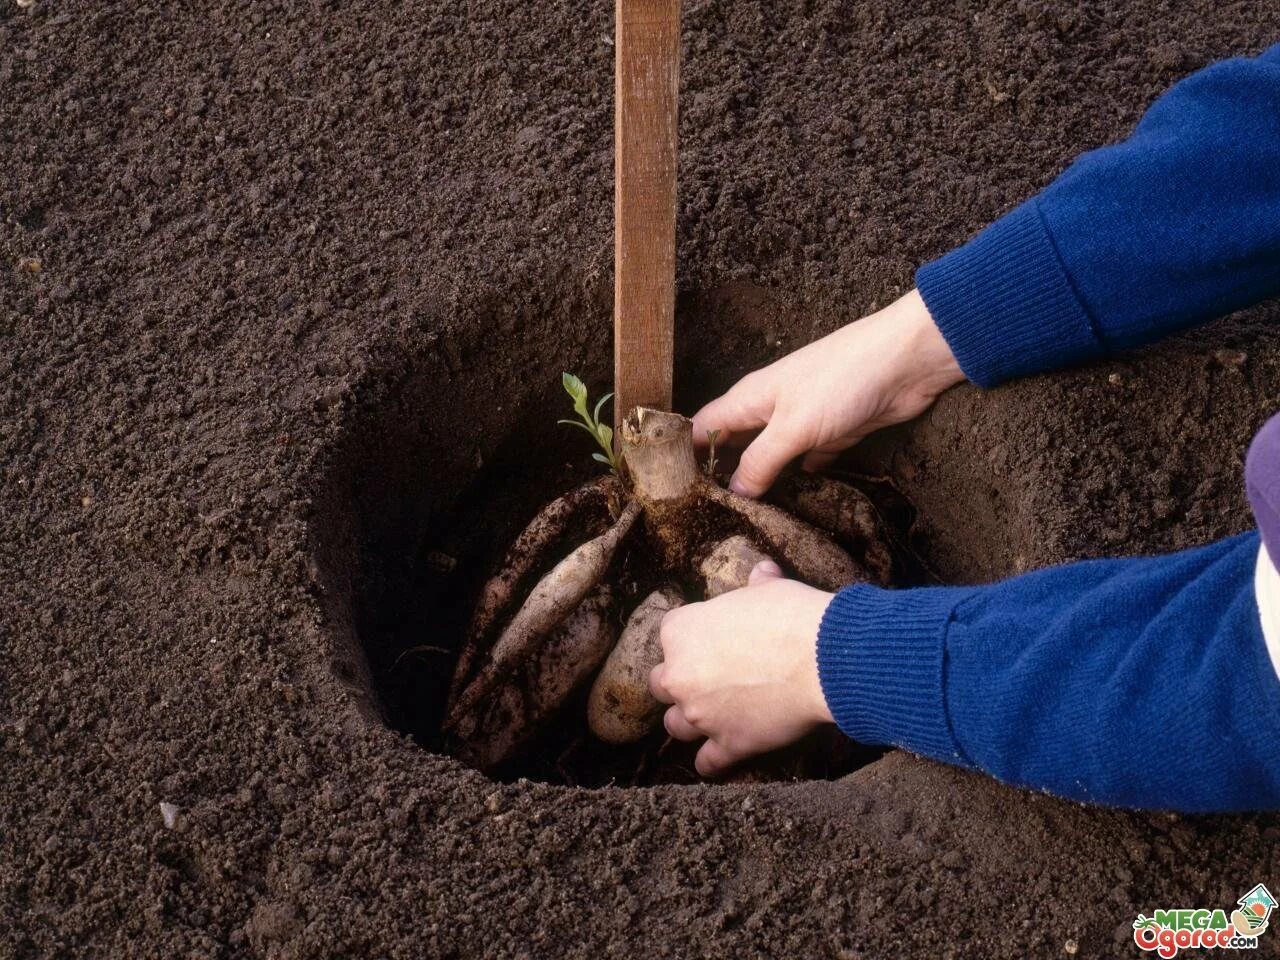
x: 532, y: 646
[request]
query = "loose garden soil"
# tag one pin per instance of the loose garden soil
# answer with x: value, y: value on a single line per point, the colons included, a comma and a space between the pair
x: 285, y: 293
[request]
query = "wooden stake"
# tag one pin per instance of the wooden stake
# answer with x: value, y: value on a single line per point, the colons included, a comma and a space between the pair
x: 647, y: 81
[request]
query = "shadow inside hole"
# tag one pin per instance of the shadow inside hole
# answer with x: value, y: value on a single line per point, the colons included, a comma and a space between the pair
x: 420, y: 581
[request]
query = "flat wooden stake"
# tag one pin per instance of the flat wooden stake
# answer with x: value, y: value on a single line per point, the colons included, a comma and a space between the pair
x: 647, y: 81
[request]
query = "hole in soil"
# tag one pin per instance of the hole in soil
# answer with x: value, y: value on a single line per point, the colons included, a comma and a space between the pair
x: 441, y: 467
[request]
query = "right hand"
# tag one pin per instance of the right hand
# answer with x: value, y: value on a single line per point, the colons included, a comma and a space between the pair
x: 742, y: 669
x: 823, y: 398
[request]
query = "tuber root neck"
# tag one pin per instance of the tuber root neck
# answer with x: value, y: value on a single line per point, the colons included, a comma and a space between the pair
x: 658, y: 449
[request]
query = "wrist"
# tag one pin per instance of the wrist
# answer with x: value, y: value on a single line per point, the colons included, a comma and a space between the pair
x: 817, y: 709
x: 929, y: 361
x: 820, y: 712
x: 881, y: 659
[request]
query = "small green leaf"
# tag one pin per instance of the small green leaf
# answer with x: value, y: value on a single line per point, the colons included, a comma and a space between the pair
x: 600, y: 403
x: 574, y: 387
x: 601, y: 433
x: 581, y: 426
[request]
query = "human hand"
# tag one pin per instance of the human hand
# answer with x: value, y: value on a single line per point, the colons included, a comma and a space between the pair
x: 823, y: 398
x: 742, y: 669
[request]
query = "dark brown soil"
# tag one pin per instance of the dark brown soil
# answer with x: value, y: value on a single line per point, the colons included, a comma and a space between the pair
x: 308, y: 275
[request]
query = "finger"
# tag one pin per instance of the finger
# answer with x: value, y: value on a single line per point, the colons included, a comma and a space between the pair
x: 731, y: 414
x: 817, y: 460
x: 657, y: 687
x: 822, y: 457
x: 713, y: 759
x: 678, y: 725
x: 763, y: 572
x: 763, y: 461
x: 669, y: 630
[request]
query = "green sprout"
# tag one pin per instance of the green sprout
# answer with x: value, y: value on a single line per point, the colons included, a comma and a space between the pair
x: 602, y: 433
x: 712, y: 436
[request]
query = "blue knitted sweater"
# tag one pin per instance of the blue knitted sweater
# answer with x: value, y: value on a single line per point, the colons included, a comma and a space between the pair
x: 1138, y: 682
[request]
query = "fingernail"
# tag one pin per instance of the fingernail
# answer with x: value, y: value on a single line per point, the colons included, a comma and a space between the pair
x: 738, y: 487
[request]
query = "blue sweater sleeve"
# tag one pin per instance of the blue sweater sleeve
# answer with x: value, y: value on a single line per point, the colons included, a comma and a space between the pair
x: 1171, y: 227
x: 1138, y: 682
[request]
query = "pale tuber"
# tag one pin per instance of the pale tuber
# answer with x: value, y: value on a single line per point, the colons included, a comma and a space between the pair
x: 846, y: 513
x: 621, y: 709
x: 525, y: 553
x: 729, y: 565
x: 553, y: 599
x: 518, y: 710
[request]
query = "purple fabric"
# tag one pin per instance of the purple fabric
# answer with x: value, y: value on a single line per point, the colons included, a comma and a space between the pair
x: 1262, y: 480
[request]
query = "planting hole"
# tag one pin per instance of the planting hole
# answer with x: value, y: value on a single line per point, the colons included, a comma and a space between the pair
x: 442, y: 462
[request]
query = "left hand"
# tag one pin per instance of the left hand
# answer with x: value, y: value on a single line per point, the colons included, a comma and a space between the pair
x: 825, y: 397
x: 742, y: 669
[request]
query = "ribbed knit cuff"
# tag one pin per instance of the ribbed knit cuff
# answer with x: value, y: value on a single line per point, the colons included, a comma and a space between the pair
x: 1005, y: 303
x: 880, y: 663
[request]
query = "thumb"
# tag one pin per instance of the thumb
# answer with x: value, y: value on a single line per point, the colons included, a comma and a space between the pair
x: 763, y: 572
x: 762, y: 461
x: 817, y: 460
